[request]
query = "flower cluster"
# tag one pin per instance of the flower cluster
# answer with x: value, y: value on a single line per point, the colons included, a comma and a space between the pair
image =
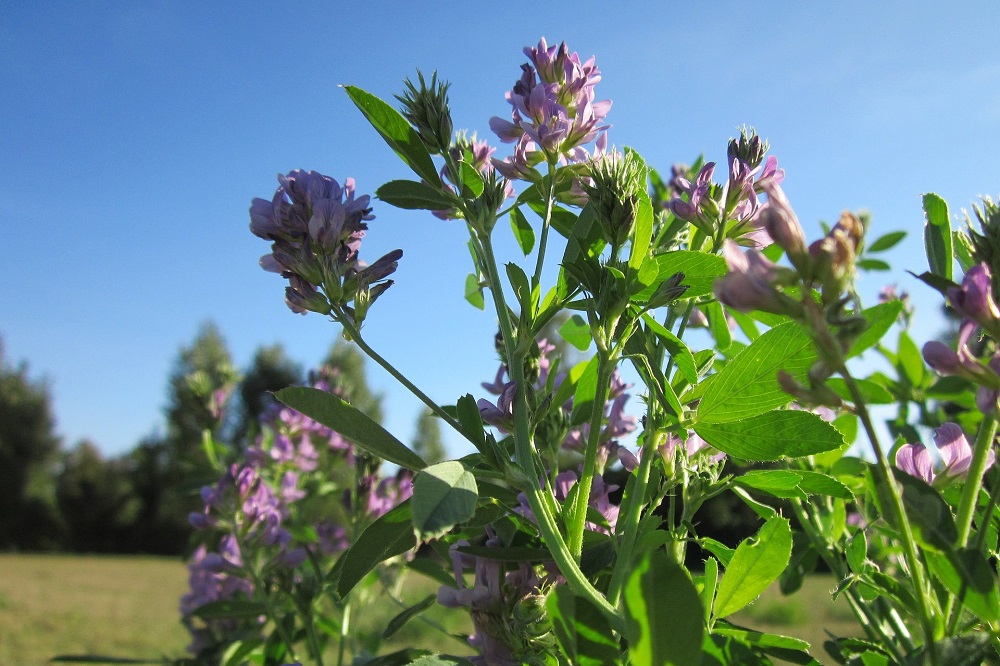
x: 554, y: 113
x: 316, y: 226
x: 736, y: 204
x: 476, y: 153
x: 273, y: 510
x: 753, y: 280
x: 974, y: 301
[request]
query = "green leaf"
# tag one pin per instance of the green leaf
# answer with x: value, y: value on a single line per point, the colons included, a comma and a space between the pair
x: 776, y: 482
x: 887, y: 241
x: 967, y: 574
x: 390, y: 535
x: 523, y: 232
x: 576, y: 331
x: 873, y: 265
x: 522, y: 290
x: 664, y: 616
x: 643, y: 234
x: 937, y: 236
x: 396, y: 623
x: 700, y: 272
x: 398, y: 133
x: 676, y: 348
x: 230, y: 608
x: 474, y: 291
x: 772, y: 436
x: 873, y: 393
x: 718, y: 325
x: 411, y: 195
x: 755, y: 565
x: 748, y: 385
x: 759, y: 639
x: 911, y: 363
x: 333, y: 412
x: 880, y: 319
x: 931, y: 518
x: 586, y: 390
x: 817, y: 483
x: 582, y: 629
x: 444, y: 495
x: 472, y: 180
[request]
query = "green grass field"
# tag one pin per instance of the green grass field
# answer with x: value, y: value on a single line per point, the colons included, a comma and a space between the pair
x: 127, y: 607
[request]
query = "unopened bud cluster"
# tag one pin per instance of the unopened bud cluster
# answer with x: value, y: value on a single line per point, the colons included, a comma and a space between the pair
x: 426, y: 107
x: 613, y: 192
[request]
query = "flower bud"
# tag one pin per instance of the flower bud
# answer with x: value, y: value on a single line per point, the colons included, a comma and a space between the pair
x: 427, y: 110
x: 614, y: 194
x: 749, y: 147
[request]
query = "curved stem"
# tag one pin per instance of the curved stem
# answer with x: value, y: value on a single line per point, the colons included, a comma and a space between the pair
x: 974, y: 479
x: 909, y: 545
x: 970, y: 496
x: 578, y: 511
x: 355, y: 335
x: 524, y: 456
x: 546, y: 223
x: 864, y: 612
x: 630, y: 518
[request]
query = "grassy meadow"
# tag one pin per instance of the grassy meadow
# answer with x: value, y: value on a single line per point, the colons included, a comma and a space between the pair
x: 127, y: 607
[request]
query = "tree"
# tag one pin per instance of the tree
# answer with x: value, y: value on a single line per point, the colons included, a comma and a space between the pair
x: 201, y: 370
x: 428, y: 443
x: 95, y: 499
x: 28, y: 444
x: 270, y: 370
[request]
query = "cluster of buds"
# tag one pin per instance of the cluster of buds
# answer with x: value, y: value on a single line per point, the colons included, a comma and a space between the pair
x: 316, y: 226
x: 477, y: 154
x: 956, y: 456
x: 984, y: 245
x: 613, y: 192
x: 427, y: 110
x: 554, y: 113
x: 736, y: 204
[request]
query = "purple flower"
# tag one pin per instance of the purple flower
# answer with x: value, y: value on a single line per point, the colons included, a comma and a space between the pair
x: 783, y: 225
x: 749, y: 283
x: 501, y: 414
x: 961, y: 363
x: 692, y: 447
x: 955, y: 451
x: 553, y: 109
x: 974, y: 299
x: 317, y: 226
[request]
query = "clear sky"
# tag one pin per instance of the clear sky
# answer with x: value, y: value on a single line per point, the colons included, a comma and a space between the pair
x: 133, y: 136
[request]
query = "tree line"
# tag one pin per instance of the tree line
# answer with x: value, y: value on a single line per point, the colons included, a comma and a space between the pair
x: 74, y: 499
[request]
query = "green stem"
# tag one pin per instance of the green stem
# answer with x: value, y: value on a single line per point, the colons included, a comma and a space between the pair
x: 974, y: 479
x: 629, y: 521
x: 524, y: 457
x: 355, y: 335
x: 578, y: 511
x: 865, y: 613
x: 546, y: 223
x: 345, y: 630
x: 909, y: 545
x: 969, y: 500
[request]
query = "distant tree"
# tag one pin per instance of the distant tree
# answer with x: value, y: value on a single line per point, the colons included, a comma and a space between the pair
x: 202, y: 374
x: 270, y: 370
x: 201, y: 370
x: 95, y: 499
x: 28, y: 445
x: 348, y: 365
x: 428, y: 443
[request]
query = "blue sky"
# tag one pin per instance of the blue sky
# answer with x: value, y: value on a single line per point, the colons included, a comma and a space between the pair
x: 134, y: 136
